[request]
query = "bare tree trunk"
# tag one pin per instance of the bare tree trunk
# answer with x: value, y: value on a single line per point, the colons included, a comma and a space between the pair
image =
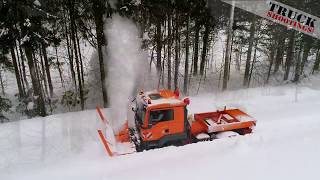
x: 186, y: 63
x: 228, y: 51
x: 47, y: 68
x: 102, y: 42
x: 196, y: 48
x: 59, y: 68
x: 204, y: 48
x: 212, y: 57
x: 2, y: 84
x: 279, y: 56
x: 317, y: 62
x: 43, y: 74
x: 41, y: 110
x: 80, y: 58
x: 192, y: 58
x: 159, y: 46
x: 164, y: 54
x: 162, y: 65
x: 70, y: 56
x: 73, y: 37
x: 23, y: 65
x: 16, y: 71
x: 248, y: 61
x: 238, y: 58
x: 271, y: 59
x: 177, y: 60
x: 151, y: 60
x: 24, y: 74
x: 230, y: 58
x: 305, y: 56
x: 23, y: 70
x: 298, y: 67
x: 19, y: 68
x: 39, y: 77
x: 253, y: 63
x: 169, y: 50
x: 290, y: 54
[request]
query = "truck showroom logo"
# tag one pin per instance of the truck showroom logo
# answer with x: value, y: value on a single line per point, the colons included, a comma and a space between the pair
x: 291, y: 18
x: 280, y: 13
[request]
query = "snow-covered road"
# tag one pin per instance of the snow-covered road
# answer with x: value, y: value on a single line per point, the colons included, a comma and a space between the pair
x: 284, y: 145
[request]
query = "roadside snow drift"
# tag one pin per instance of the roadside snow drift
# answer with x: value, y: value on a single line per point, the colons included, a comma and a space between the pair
x: 285, y: 144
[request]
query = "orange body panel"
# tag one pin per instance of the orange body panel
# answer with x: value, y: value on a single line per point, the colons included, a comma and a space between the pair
x: 123, y: 135
x: 165, y: 106
x: 197, y: 127
x: 165, y: 93
x: 161, y: 129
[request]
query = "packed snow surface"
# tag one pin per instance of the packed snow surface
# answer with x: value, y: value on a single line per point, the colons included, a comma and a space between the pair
x: 285, y: 144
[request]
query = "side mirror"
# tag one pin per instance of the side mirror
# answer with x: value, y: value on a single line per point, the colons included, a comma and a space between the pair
x: 186, y: 101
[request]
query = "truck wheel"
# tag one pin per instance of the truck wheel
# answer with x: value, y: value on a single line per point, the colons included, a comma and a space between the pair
x: 245, y: 131
x: 179, y: 143
x: 141, y: 147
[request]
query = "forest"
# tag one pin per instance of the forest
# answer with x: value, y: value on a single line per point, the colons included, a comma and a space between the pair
x: 185, y: 40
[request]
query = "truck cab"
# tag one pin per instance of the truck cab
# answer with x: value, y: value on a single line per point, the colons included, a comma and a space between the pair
x: 161, y: 119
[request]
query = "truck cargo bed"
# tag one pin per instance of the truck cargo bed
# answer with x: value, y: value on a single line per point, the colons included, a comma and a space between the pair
x: 220, y: 121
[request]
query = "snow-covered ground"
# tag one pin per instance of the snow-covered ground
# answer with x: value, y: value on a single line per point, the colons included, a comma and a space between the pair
x: 285, y: 144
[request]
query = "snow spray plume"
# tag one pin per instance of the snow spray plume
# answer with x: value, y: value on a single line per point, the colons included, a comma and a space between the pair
x: 125, y: 61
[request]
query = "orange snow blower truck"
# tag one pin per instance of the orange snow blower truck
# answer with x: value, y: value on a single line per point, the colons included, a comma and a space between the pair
x: 161, y: 119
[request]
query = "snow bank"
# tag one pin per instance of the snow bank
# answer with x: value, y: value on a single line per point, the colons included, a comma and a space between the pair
x: 126, y: 65
x: 284, y: 145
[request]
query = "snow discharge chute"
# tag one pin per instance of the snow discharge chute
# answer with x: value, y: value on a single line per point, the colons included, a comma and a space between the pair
x: 282, y: 14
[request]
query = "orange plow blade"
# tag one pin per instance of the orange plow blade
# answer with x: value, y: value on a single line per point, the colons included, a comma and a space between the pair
x: 114, y: 145
x: 105, y: 143
x: 105, y: 133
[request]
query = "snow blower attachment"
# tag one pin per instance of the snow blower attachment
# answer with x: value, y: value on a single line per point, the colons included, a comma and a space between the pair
x: 161, y: 119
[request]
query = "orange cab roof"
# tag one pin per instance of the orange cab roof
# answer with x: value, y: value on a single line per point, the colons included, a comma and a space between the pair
x: 160, y: 99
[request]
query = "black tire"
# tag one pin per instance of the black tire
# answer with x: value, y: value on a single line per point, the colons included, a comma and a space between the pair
x: 141, y: 147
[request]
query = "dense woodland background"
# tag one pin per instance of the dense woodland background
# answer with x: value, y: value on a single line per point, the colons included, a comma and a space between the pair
x: 40, y: 37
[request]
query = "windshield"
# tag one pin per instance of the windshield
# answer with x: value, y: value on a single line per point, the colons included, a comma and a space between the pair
x: 161, y: 115
x: 154, y: 96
